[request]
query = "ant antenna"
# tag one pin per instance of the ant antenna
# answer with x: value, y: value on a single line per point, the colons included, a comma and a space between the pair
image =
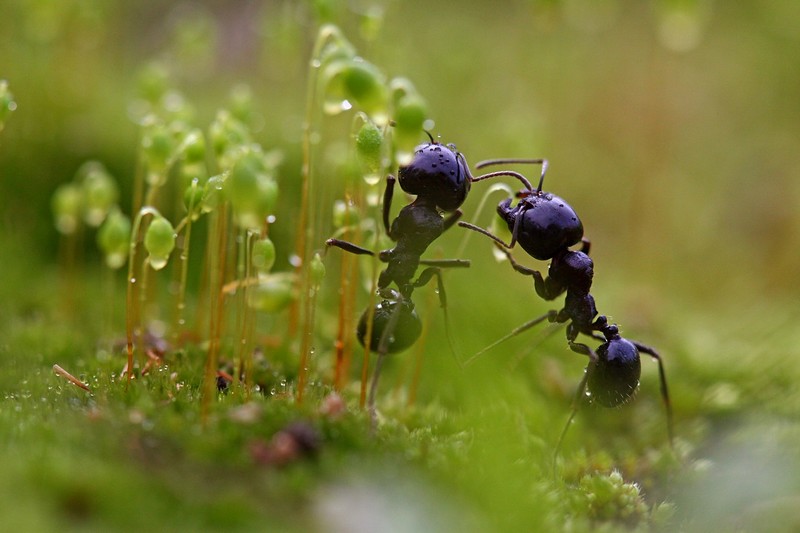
x: 511, y: 173
x: 429, y: 136
x: 509, y: 161
x: 549, y: 316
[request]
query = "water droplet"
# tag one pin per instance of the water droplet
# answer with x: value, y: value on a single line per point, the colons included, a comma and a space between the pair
x: 334, y: 106
x: 157, y: 263
x: 404, y: 157
x: 498, y: 255
x: 372, y: 179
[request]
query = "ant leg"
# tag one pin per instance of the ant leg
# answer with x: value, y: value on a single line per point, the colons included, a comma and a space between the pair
x: 427, y: 275
x: 452, y: 219
x: 519, y: 268
x: 550, y: 316
x: 583, y: 349
x: 388, y: 193
x: 383, y: 347
x: 446, y: 263
x: 546, y: 288
x: 349, y: 247
x: 585, y: 245
x: 487, y: 233
x: 423, y: 279
x: 576, y: 404
x: 663, y: 378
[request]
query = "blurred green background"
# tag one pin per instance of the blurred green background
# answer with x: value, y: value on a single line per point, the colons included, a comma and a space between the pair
x: 672, y: 127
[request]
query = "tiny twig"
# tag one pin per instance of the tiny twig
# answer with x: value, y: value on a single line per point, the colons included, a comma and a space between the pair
x: 72, y: 379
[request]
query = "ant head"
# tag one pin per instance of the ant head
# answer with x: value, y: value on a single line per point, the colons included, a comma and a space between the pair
x: 614, y: 378
x: 438, y: 174
x: 544, y: 224
x: 406, y: 331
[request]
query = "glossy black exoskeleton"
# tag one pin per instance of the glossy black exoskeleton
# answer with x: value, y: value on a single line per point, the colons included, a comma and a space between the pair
x: 545, y: 226
x: 614, y: 378
x: 437, y: 174
x: 542, y: 223
x: 440, y: 178
x: 405, y: 332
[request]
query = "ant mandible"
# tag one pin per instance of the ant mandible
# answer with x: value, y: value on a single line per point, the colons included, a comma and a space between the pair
x: 440, y: 178
x: 545, y: 226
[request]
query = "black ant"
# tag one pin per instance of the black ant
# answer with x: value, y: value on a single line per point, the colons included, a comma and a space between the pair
x: 440, y: 178
x: 545, y: 226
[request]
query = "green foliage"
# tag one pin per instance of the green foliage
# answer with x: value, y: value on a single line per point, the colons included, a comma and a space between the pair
x: 273, y: 293
x: 608, y: 497
x: 7, y: 103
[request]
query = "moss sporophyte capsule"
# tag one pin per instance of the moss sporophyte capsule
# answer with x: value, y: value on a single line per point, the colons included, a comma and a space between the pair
x: 251, y: 190
x: 263, y: 254
x: 159, y: 241
x: 369, y: 143
x: 113, y: 237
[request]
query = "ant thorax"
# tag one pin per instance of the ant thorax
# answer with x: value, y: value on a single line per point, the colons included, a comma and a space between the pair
x: 417, y: 225
x: 573, y: 269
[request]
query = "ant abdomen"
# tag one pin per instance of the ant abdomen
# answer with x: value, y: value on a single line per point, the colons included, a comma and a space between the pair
x: 613, y: 379
x: 438, y: 174
x: 406, y: 331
